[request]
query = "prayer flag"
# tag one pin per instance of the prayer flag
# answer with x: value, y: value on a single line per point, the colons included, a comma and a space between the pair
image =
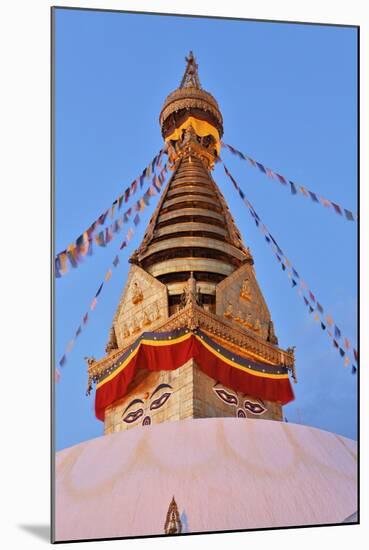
x: 157, y: 187
x: 129, y: 234
x: 293, y: 188
x: 335, y: 343
x: 123, y: 245
x: 108, y: 275
x: 251, y: 161
x: 347, y: 361
x: 303, y: 191
x: 79, y: 241
x: 91, y: 229
x: 354, y: 369
x: 355, y: 354
x: 63, y: 360
x: 337, y: 332
x: 70, y: 346
x: 57, y: 375
x: 325, y: 202
x: 93, y: 304
x: 329, y: 320
x: 295, y: 273
x: 323, y: 326
x: 85, y: 318
x: 313, y: 196
x: 342, y: 353
x: 57, y: 267
x: 90, y: 248
x: 306, y: 301
x: 316, y: 317
x: 99, y: 290
x: 269, y: 173
x: 153, y: 163
x: 133, y: 186
x: 319, y: 307
x: 349, y: 215
x: 261, y: 167
x: 337, y: 208
x: 293, y: 283
x: 136, y: 219
x: 100, y: 239
x: 347, y: 343
x: 127, y: 194
x: 108, y: 235
x: 102, y: 218
x: 116, y: 259
x: 85, y: 245
x: 71, y: 256
x: 78, y: 331
x: 282, y: 179
x: 311, y: 295
x: 120, y: 201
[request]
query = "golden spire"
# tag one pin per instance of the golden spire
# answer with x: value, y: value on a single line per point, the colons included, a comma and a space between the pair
x: 191, y: 77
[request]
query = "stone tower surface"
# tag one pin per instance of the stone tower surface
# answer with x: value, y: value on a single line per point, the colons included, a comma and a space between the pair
x: 191, y: 283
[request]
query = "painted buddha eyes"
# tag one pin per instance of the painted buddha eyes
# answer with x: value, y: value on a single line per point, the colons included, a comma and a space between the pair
x: 159, y: 402
x: 133, y: 416
x: 254, y: 408
x: 228, y: 398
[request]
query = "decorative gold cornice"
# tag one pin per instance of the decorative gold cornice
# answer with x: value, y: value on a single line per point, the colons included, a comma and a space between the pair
x: 243, y: 341
x: 191, y: 98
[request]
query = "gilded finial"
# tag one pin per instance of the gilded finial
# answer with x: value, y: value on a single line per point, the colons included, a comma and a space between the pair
x: 191, y: 76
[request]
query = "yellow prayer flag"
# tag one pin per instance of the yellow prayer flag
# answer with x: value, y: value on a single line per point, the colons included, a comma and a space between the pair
x: 108, y: 275
x: 63, y: 262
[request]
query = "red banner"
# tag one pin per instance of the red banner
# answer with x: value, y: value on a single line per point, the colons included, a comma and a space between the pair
x: 158, y: 352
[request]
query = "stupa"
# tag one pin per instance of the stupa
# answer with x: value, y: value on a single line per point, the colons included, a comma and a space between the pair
x: 193, y: 365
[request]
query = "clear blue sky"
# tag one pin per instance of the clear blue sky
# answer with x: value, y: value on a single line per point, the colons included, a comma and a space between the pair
x: 288, y: 97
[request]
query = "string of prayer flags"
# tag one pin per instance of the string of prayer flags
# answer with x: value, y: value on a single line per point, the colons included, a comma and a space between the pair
x: 83, y: 242
x: 294, y: 187
x: 107, y: 277
x: 76, y: 252
x: 297, y: 282
x: 92, y: 307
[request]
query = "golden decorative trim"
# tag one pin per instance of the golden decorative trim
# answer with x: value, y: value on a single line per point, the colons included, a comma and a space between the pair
x: 193, y: 316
